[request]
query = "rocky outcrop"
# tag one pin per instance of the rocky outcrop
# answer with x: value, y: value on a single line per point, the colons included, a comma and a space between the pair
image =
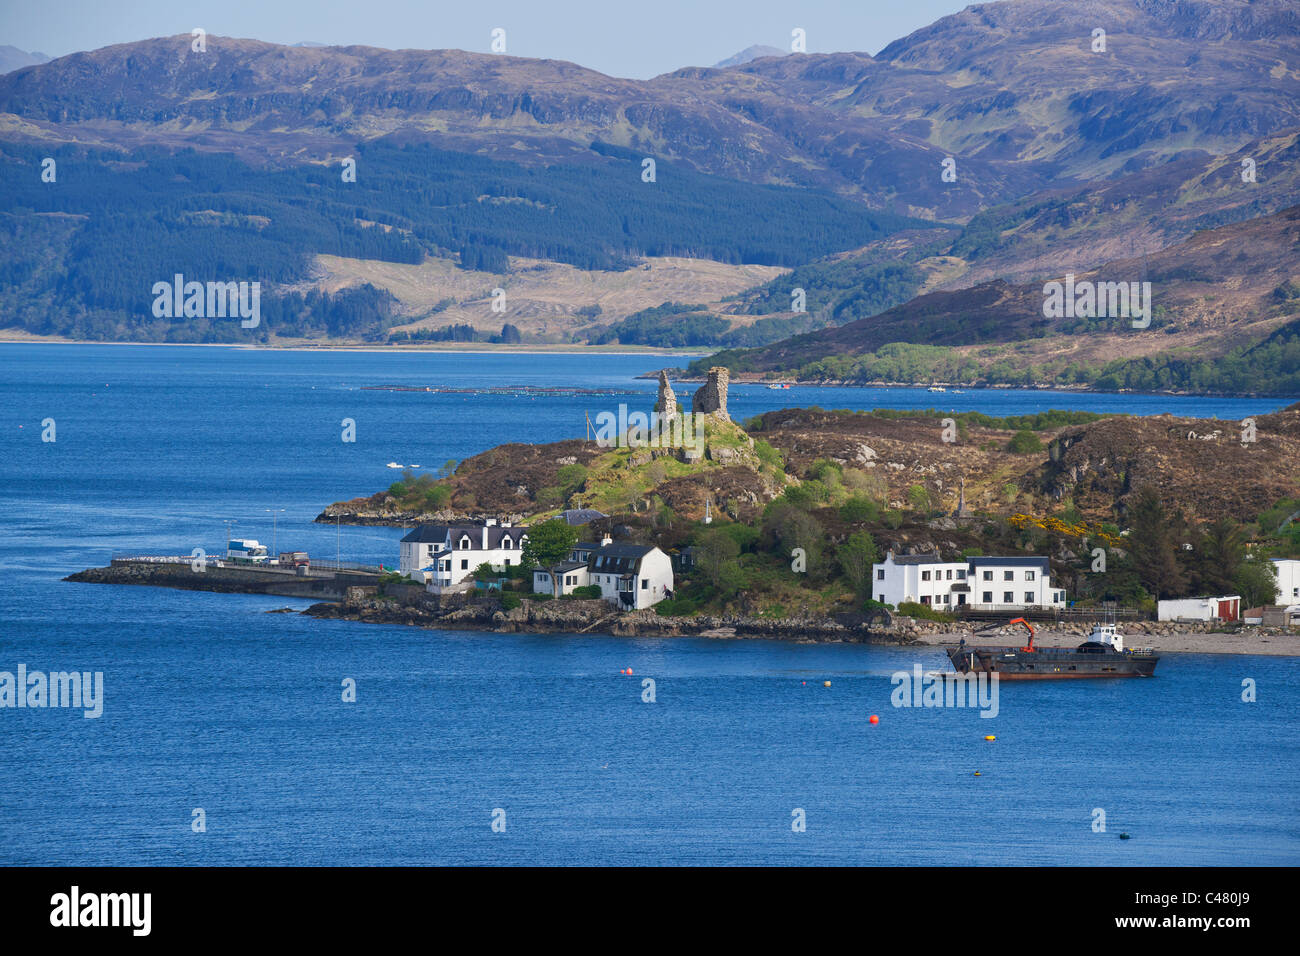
x: 711, y: 397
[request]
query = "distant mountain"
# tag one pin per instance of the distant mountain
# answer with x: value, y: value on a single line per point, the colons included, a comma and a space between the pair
x: 963, y: 164
x: 1236, y: 287
x: 1011, y: 92
x: 750, y: 53
x: 12, y: 58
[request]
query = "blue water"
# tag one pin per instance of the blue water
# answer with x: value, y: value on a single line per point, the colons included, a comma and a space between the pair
x: 212, y: 703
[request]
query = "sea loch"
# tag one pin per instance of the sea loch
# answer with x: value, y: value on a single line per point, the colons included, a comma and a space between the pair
x: 219, y: 706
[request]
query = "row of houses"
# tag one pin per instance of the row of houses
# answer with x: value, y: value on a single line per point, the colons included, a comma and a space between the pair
x: 630, y: 576
x: 633, y: 576
x: 444, y: 557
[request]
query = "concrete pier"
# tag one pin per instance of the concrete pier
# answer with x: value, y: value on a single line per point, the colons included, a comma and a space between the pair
x: 319, y: 584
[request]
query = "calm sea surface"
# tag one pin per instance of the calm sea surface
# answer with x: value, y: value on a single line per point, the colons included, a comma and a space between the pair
x: 211, y: 703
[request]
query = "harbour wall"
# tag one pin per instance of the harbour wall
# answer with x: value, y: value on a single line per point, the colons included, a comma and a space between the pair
x: 319, y: 585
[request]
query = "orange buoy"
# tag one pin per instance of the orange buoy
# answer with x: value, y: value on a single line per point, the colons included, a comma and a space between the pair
x: 875, y: 719
x: 990, y: 737
x: 826, y: 683
x: 629, y: 670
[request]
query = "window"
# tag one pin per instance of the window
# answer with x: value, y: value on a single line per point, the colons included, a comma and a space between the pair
x: 988, y: 597
x: 1029, y: 575
x: 464, y: 564
x: 925, y: 599
x: 925, y: 575
x: 880, y: 598
x: 880, y: 575
x: 1029, y: 597
x: 1008, y: 575
x: 645, y: 584
x: 463, y: 544
x: 961, y: 574
x: 1008, y: 597
x: 988, y: 575
x: 949, y: 574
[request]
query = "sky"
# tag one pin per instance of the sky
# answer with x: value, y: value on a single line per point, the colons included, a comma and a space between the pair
x: 617, y: 37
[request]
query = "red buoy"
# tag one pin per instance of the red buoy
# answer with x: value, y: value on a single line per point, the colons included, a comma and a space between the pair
x: 875, y: 719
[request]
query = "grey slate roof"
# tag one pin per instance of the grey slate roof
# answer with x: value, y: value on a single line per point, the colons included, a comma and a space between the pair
x: 441, y: 533
x: 563, y: 567
x: 577, y: 516
x: 618, y: 558
x: 1010, y: 562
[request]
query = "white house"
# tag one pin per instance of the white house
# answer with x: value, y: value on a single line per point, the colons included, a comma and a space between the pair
x: 1226, y: 608
x: 444, y: 557
x: 1013, y: 584
x: 920, y: 578
x: 992, y: 584
x: 1288, y: 580
x: 631, y: 576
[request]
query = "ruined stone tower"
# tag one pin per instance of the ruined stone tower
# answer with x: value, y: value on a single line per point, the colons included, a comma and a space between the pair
x: 711, y: 398
x: 666, y: 406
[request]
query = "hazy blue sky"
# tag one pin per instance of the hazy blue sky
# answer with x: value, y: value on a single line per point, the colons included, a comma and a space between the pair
x: 614, y: 36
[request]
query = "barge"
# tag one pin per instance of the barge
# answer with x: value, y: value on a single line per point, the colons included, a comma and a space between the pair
x: 1102, y: 655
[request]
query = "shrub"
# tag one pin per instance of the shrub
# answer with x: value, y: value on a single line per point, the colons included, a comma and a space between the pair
x: 437, y: 497
x: 1024, y: 442
x: 510, y: 600
x: 587, y: 591
x: 858, y: 509
x: 768, y: 455
x: 923, y: 611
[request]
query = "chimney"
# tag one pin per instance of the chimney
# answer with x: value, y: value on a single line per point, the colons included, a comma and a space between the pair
x: 485, y: 536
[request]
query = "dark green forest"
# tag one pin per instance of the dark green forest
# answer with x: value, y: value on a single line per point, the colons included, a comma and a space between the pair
x: 79, y: 256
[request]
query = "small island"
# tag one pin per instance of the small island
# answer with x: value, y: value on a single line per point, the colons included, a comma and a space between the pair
x: 783, y: 527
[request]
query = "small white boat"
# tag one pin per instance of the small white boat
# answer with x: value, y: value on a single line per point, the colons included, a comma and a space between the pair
x: 392, y: 464
x: 936, y: 388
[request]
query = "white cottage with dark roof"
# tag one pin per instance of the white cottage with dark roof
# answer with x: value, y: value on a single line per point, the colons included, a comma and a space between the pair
x: 445, y: 556
x: 983, y: 583
x: 630, y: 576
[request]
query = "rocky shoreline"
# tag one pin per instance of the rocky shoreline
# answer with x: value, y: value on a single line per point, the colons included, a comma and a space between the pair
x: 414, y: 607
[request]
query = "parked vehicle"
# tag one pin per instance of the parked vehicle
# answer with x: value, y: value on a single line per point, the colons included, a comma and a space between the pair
x: 247, y: 551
